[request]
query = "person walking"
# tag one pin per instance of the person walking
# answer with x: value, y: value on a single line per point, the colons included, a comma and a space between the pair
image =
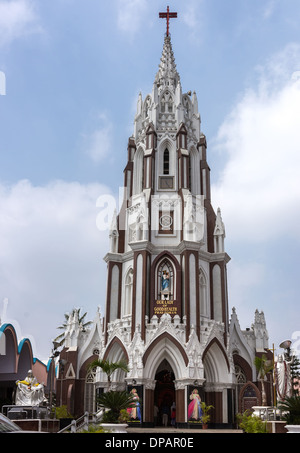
x: 173, y: 415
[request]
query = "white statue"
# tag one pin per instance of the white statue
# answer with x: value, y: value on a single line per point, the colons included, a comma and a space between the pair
x: 283, y: 378
x: 29, y: 391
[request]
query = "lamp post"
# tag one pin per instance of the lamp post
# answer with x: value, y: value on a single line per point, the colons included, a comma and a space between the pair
x: 273, y: 375
x: 62, y: 363
x: 286, y: 345
x: 54, y: 354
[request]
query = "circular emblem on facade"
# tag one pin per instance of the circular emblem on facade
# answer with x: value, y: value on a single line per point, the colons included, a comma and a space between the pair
x: 165, y: 221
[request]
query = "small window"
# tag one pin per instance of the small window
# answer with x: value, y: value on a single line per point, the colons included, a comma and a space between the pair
x: 166, y: 162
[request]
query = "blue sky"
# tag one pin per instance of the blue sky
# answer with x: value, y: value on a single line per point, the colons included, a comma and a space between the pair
x: 73, y: 71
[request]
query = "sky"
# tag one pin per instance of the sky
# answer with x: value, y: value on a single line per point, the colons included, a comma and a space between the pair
x: 70, y: 75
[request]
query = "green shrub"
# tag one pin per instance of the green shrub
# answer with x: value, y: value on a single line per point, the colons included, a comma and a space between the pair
x: 115, y: 402
x: 291, y: 407
x: 250, y: 423
x: 124, y: 416
x: 62, y: 412
x: 94, y: 429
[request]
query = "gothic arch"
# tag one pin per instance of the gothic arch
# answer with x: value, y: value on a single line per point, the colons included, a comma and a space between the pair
x: 243, y: 364
x: 204, y: 308
x: 216, y: 363
x: 114, y: 292
x: 177, y: 271
x: 147, y: 105
x: 90, y: 391
x: 83, y: 372
x: 138, y: 171
x: 166, y: 101
x: 115, y: 351
x: 249, y: 396
x: 165, y: 271
x: 165, y: 346
x: 166, y: 167
x: 166, y: 145
x: 194, y: 171
x: 127, y: 304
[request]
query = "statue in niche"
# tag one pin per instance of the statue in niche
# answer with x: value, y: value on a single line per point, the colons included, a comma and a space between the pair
x: 166, y: 103
x: 147, y: 107
x: 165, y: 280
x: 186, y: 106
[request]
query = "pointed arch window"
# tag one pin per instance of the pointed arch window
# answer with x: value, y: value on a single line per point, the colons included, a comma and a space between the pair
x: 89, y: 391
x: 165, y: 280
x: 138, y: 176
x: 166, y: 161
x: 190, y: 173
x: 128, y: 293
x: 240, y: 375
x: 204, y: 307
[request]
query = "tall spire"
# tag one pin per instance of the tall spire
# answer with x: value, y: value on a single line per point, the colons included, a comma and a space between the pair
x: 167, y: 75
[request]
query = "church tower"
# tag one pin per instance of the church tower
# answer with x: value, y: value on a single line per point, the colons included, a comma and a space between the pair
x: 167, y: 307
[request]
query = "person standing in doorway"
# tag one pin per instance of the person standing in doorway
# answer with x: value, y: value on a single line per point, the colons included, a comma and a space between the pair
x: 165, y: 414
x: 173, y: 415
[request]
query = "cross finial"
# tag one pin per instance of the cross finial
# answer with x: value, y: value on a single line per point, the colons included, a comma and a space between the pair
x: 167, y: 16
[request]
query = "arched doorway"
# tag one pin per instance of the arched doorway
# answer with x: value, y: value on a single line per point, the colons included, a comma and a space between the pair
x: 165, y: 353
x: 164, y: 393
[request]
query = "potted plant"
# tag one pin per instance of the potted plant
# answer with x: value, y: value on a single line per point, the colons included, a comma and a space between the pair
x: 116, y: 404
x: 93, y: 429
x: 250, y: 423
x: 109, y: 367
x: 205, y: 417
x: 64, y: 417
x: 291, y: 408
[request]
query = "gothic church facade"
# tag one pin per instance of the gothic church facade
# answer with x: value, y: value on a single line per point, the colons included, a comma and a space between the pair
x: 167, y: 311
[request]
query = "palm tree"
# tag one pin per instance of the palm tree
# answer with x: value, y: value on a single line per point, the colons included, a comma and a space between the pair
x: 291, y: 406
x: 263, y: 366
x: 61, y: 338
x: 109, y: 367
x: 115, y: 402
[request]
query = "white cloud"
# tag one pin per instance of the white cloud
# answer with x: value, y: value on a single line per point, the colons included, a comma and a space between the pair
x: 192, y: 14
x: 259, y: 190
x: 98, y: 143
x: 268, y: 8
x: 131, y: 15
x: 17, y: 18
x: 51, y: 255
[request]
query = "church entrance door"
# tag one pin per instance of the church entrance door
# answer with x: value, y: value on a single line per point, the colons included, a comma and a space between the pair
x: 164, y: 394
